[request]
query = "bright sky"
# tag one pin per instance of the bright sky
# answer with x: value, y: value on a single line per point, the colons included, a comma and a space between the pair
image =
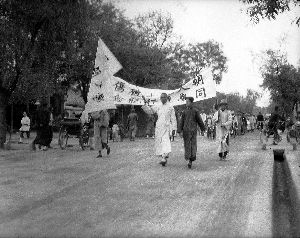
x: 226, y: 23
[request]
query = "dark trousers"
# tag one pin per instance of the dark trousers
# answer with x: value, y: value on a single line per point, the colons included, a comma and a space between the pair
x: 50, y: 135
x: 190, y: 144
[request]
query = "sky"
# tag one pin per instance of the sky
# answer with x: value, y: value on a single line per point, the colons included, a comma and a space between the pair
x: 226, y: 22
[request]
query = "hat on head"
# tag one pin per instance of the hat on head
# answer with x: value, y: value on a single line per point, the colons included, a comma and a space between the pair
x: 223, y: 102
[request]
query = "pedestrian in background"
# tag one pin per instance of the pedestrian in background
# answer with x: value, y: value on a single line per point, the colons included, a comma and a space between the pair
x: 25, y: 127
x: 101, y: 123
x: 42, y: 125
x: 150, y: 125
x: 132, y: 124
x: 51, y: 122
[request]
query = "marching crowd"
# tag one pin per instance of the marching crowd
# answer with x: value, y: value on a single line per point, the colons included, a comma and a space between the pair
x: 163, y: 124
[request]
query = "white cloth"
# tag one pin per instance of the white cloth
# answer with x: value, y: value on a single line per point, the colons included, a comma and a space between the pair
x: 203, y: 117
x: 51, y: 119
x: 25, y: 124
x: 166, y: 123
x: 84, y: 117
x: 223, y: 120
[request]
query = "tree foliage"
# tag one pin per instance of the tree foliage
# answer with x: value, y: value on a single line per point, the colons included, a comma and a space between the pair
x: 281, y: 79
x: 197, y: 56
x: 269, y: 9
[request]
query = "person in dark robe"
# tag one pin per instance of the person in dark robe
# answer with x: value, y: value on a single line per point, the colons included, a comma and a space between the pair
x: 132, y: 124
x: 51, y: 122
x: 42, y: 127
x: 187, y: 128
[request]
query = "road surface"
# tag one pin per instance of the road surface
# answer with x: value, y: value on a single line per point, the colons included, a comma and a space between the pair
x: 71, y: 193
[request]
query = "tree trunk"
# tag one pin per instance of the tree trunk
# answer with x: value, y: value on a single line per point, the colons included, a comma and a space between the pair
x: 3, y: 107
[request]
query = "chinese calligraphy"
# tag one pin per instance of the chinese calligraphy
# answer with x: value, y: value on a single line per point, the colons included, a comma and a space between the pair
x: 119, y: 86
x: 200, y: 92
x: 98, y: 85
x: 198, y: 80
x: 182, y: 96
x: 99, y: 97
x: 96, y: 72
x: 118, y: 98
x: 135, y: 92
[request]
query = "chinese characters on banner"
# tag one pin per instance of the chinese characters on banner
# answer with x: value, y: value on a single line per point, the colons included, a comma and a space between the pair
x: 107, y: 91
x: 202, y: 87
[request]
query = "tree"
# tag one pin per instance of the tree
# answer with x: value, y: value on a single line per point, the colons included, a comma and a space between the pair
x: 155, y: 31
x: 281, y: 79
x: 36, y: 39
x: 269, y: 9
x: 195, y: 57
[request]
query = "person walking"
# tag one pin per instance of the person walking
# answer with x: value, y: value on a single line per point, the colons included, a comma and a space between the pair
x: 223, y: 120
x: 260, y: 121
x: 150, y: 126
x: 204, y: 119
x: 51, y: 121
x: 25, y: 127
x: 273, y: 124
x: 188, y: 130
x: 101, y: 123
x: 132, y: 124
x: 244, y: 124
x: 43, y: 131
x: 166, y: 120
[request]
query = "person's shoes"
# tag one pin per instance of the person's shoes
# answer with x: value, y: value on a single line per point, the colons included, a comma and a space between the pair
x: 100, y: 155
x: 91, y: 148
x: 274, y: 143
x: 108, y: 150
x: 163, y: 162
x: 190, y: 163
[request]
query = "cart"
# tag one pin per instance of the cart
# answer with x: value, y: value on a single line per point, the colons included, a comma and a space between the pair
x: 73, y: 128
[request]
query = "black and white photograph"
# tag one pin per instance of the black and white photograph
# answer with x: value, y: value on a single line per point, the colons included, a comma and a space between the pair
x: 149, y: 118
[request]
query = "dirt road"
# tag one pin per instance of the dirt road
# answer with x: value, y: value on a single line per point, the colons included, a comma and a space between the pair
x: 72, y: 193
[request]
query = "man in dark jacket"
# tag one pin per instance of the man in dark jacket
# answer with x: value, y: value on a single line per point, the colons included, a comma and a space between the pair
x: 43, y: 129
x: 273, y: 123
x: 260, y: 121
x: 244, y: 124
x: 190, y: 118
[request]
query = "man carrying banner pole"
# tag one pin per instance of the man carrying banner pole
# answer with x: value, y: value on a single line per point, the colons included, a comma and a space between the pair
x: 166, y: 121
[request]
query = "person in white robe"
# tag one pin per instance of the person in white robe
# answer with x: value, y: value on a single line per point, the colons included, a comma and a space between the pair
x: 166, y: 123
x: 25, y: 122
x: 223, y: 120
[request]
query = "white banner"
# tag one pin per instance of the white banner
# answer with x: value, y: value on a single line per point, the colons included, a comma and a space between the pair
x: 105, y: 59
x: 99, y: 95
x: 200, y: 88
x: 107, y: 91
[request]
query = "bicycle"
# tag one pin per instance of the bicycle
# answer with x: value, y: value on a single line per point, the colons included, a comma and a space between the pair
x: 294, y: 132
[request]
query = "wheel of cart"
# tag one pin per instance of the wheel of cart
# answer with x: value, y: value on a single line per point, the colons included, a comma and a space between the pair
x: 69, y: 127
x: 84, y: 136
x: 63, y: 137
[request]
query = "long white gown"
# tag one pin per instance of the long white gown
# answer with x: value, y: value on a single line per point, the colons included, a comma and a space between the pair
x: 166, y: 122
